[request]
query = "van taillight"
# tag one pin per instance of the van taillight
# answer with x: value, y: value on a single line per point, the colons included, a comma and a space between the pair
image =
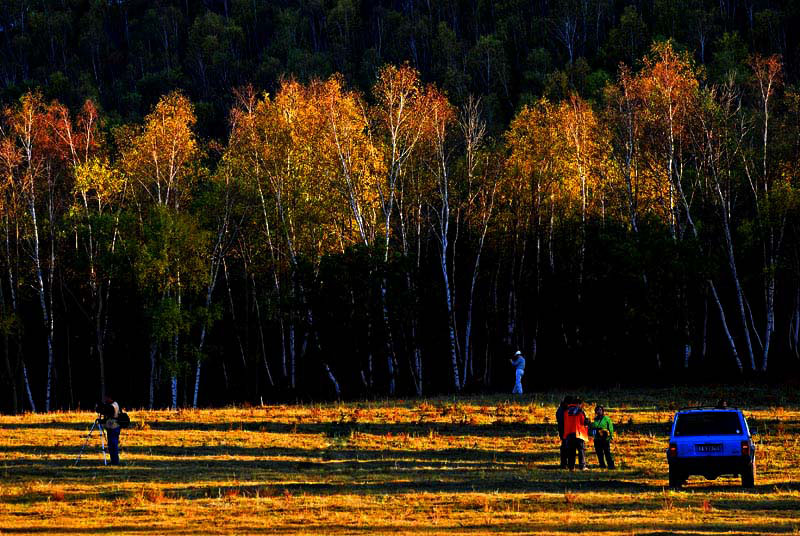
x: 745, y: 448
x: 673, y: 451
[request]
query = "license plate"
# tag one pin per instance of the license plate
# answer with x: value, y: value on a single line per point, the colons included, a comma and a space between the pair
x: 708, y: 448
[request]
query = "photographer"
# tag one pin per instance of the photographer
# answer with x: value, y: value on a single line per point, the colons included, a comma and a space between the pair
x: 109, y: 412
x: 519, y: 369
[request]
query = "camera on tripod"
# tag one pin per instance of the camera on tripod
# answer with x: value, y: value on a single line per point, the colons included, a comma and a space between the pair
x: 101, y: 410
x: 109, y: 422
x: 97, y: 425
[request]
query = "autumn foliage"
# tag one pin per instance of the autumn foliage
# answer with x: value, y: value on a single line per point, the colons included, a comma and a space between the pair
x: 339, y: 243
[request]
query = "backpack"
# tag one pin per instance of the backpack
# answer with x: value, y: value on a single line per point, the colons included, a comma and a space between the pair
x: 123, y: 420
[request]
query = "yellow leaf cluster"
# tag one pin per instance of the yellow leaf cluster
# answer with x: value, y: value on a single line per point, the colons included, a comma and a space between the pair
x: 96, y: 179
x: 160, y: 156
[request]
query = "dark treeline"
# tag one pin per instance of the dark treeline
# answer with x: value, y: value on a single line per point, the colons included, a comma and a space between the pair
x: 126, y: 54
x: 422, y: 189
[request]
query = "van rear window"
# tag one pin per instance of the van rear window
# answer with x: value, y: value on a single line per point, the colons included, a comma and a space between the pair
x: 711, y: 423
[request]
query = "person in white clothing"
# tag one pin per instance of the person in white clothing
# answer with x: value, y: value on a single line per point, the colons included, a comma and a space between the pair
x: 109, y: 410
x: 519, y: 365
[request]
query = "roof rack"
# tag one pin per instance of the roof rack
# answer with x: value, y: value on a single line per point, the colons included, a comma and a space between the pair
x: 688, y: 408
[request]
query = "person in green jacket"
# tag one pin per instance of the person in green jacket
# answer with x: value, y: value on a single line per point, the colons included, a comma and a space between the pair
x: 603, y: 431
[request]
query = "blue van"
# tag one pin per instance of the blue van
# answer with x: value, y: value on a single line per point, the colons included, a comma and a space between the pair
x: 710, y: 442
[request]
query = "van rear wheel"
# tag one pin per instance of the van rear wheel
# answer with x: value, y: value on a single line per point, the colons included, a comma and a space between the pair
x: 749, y: 475
x: 676, y: 478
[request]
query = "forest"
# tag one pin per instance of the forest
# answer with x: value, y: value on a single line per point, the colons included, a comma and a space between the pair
x: 208, y: 203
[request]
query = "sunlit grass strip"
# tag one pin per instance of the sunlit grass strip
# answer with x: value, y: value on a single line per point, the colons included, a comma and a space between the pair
x: 470, y: 466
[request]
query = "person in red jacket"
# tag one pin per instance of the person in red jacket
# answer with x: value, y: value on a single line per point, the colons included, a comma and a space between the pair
x: 576, y: 434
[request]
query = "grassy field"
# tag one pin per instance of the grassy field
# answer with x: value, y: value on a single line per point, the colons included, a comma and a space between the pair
x: 445, y: 466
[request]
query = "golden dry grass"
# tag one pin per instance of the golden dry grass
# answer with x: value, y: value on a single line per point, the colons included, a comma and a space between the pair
x: 446, y: 466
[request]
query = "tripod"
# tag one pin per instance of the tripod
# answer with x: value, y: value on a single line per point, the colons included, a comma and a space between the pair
x: 97, y: 424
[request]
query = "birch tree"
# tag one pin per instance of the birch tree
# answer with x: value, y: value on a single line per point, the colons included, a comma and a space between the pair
x: 98, y: 195
x: 442, y: 117
x: 766, y: 187
x: 34, y: 179
x: 162, y: 158
x: 13, y: 209
x: 399, y: 115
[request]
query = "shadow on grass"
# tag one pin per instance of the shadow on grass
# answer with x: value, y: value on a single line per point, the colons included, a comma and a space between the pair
x: 100, y: 528
x: 337, y: 429
x: 256, y: 455
x: 500, y: 527
x: 418, y: 482
x: 206, y: 464
x: 735, y: 485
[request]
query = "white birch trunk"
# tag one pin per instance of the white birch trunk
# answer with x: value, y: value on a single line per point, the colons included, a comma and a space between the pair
x: 216, y: 262
x: 197, y: 382
x: 292, y: 359
x: 12, y: 282
x: 42, y: 303
x: 389, y: 341
x: 451, y: 330
x: 200, y: 348
x: 794, y: 326
x: 731, y: 343
x: 174, y: 391
x: 261, y: 334
x: 153, y: 351
x: 28, y: 387
x: 332, y: 378
x: 175, y: 349
x: 740, y: 297
x: 770, y: 327
x: 705, y: 329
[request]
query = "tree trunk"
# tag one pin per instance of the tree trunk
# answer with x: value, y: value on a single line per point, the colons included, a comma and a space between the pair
x: 770, y: 327
x: 197, y: 381
x: 389, y: 344
x: 174, y: 390
x: 100, y: 347
x: 12, y: 379
x: 443, y: 242
x: 332, y: 378
x: 48, y: 326
x: 153, y: 351
x: 261, y: 334
x: 28, y: 386
x: 794, y: 326
x: 12, y: 282
x: 292, y: 359
x: 705, y: 328
x: 451, y: 332
x: 233, y: 314
x: 740, y: 297
x: 725, y: 327
x: 215, y: 264
x: 417, y: 357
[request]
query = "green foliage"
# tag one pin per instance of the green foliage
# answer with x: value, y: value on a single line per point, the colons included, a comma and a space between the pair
x: 169, y: 254
x: 729, y: 59
x: 129, y: 54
